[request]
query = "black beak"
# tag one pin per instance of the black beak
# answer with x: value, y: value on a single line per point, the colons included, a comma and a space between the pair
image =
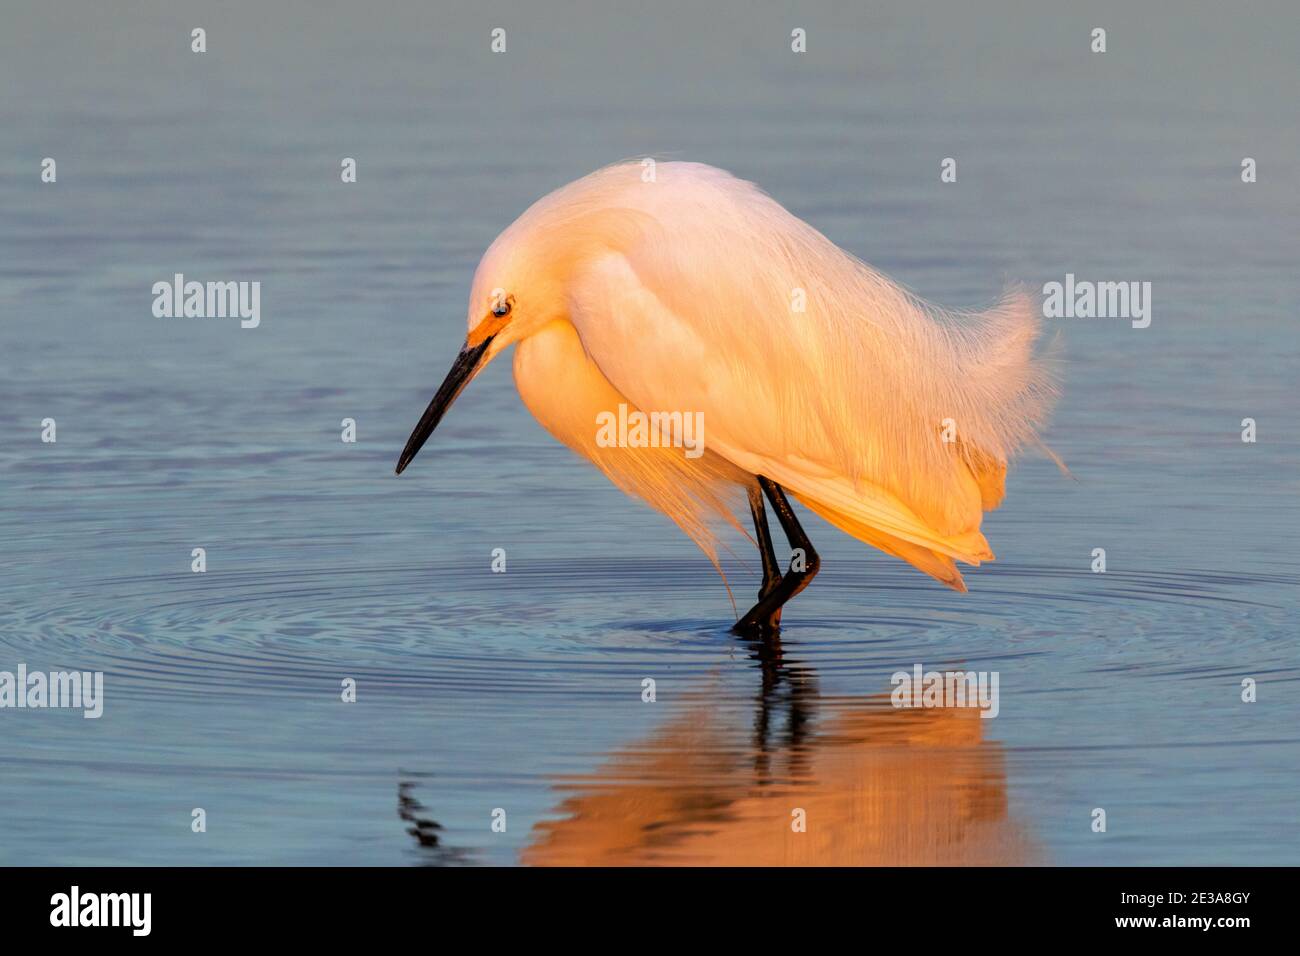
x: 462, y: 370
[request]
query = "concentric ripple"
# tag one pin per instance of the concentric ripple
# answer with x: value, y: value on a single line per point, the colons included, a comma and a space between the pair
x: 442, y: 628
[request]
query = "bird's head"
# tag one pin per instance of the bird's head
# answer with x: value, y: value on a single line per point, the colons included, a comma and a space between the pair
x: 521, y: 283
x: 498, y: 317
x: 518, y: 288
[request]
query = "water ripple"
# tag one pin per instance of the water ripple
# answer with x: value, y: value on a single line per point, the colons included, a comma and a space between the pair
x: 411, y: 632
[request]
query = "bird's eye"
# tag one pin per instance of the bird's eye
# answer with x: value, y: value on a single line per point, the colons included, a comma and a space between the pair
x: 500, y: 309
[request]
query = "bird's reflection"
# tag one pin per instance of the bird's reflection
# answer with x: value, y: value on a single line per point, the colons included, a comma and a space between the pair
x: 871, y: 784
x: 425, y: 830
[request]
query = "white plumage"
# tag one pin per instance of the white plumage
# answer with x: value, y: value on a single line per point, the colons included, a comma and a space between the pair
x: 681, y: 294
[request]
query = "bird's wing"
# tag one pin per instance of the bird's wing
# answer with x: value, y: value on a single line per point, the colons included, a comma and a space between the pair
x: 769, y: 406
x: 872, y: 514
x: 938, y: 566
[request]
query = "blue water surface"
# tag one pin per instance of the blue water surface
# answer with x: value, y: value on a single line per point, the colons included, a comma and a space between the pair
x: 522, y: 692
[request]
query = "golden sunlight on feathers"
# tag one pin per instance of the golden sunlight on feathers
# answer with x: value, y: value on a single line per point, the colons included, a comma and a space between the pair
x: 693, y: 291
x: 683, y: 300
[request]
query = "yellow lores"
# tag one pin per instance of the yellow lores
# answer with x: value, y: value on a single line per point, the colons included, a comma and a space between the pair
x: 698, y: 293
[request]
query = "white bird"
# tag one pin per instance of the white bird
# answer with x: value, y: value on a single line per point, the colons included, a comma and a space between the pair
x: 692, y: 291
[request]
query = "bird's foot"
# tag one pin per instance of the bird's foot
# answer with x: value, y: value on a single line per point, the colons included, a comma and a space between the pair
x: 762, y: 623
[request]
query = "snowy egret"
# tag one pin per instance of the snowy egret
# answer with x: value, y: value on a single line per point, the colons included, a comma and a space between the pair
x: 681, y: 290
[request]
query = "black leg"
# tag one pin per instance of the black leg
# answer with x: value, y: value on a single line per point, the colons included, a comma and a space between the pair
x: 765, y: 616
x: 771, y: 568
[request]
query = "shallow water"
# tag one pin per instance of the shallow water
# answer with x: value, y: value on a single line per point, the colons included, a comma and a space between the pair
x: 523, y: 691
